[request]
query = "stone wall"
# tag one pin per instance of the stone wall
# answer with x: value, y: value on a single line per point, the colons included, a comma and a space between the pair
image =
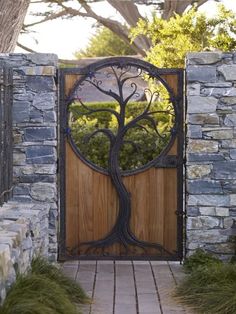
x: 35, y: 135
x: 28, y: 223
x: 210, y: 150
x: 23, y: 235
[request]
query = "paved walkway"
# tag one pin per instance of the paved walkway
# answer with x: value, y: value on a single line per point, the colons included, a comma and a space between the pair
x: 125, y: 287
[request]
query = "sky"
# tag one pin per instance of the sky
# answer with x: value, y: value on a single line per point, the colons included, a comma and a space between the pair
x: 65, y: 36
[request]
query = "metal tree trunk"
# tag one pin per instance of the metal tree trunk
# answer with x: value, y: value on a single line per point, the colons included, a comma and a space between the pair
x: 12, y: 15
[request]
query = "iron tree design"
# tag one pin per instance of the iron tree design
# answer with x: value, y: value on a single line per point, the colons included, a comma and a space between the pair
x: 122, y: 72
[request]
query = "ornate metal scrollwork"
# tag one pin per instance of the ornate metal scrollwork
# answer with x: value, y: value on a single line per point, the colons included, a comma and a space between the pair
x: 120, y: 82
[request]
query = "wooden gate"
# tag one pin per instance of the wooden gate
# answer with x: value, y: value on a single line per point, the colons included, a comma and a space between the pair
x: 108, y: 209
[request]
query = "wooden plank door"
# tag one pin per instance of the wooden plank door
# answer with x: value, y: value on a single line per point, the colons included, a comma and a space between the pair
x: 90, y: 205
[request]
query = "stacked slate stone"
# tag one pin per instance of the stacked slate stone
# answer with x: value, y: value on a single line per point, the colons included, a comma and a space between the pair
x: 23, y: 234
x: 211, y: 150
x: 35, y: 136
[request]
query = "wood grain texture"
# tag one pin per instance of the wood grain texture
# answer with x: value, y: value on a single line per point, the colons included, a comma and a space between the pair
x: 92, y: 204
x: 172, y: 81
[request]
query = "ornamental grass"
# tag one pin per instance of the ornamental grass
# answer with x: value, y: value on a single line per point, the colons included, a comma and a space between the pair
x: 42, y: 267
x: 43, y: 290
x: 210, y: 286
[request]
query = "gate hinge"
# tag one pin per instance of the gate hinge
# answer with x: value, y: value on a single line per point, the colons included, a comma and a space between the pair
x: 169, y: 161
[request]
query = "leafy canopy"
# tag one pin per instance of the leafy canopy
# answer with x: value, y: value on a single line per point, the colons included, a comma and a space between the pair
x: 193, y: 31
x: 105, y: 43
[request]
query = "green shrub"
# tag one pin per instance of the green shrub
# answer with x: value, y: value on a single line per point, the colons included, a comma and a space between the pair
x: 210, y: 289
x: 199, y: 259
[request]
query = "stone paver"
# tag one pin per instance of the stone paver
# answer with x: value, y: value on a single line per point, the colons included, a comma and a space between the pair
x: 128, y: 287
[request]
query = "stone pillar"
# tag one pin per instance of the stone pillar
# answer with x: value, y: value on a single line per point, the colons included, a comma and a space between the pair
x: 35, y: 133
x: 210, y: 150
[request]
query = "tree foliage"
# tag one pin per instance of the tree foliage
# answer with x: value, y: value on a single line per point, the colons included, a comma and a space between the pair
x: 127, y: 11
x: 105, y: 43
x: 193, y: 31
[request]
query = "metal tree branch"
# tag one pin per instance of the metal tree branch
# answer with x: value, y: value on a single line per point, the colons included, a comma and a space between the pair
x: 134, y: 86
x: 108, y: 93
x: 106, y: 132
x: 91, y: 111
x: 141, y: 127
x: 150, y: 100
x: 154, y: 125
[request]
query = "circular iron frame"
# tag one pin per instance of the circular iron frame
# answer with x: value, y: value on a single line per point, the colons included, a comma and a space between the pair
x: 121, y: 62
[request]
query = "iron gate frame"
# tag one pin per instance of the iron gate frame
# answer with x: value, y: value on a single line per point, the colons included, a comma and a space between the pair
x: 165, y: 163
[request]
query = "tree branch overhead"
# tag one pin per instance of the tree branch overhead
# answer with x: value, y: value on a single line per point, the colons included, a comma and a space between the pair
x: 13, y: 14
